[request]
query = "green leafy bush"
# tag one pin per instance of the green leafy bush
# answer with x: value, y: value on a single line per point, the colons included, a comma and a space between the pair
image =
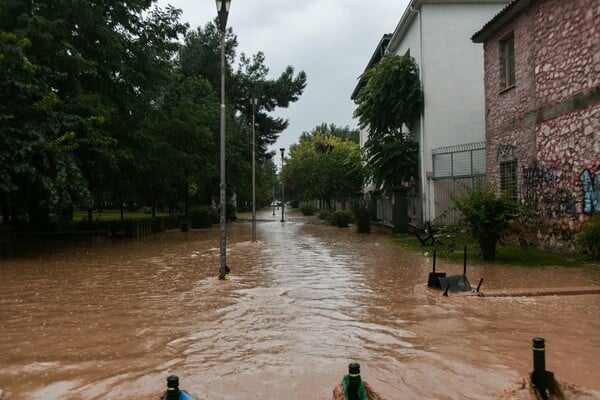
x: 487, y: 216
x: 325, y: 215
x: 362, y: 215
x: 230, y: 212
x: 588, y: 240
x: 203, y: 216
x: 341, y: 219
x: 307, y: 208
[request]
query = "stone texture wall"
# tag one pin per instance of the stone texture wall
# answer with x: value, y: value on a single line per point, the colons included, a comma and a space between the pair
x: 567, y: 49
x: 550, y: 121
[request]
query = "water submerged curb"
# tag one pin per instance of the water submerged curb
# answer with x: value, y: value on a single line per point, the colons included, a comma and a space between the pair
x: 534, y: 292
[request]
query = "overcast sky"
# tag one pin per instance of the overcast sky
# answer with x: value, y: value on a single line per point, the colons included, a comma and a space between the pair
x: 331, y: 40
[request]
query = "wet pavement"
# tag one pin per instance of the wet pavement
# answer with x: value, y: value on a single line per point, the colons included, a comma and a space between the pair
x: 115, y: 318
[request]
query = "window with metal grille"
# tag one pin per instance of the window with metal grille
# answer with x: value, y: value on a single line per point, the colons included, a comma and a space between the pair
x: 508, y: 178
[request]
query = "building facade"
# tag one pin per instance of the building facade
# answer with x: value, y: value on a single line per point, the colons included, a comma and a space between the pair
x: 542, y: 111
x: 451, y: 131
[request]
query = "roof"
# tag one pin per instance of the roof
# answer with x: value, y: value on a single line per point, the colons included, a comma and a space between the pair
x: 375, y: 58
x: 499, y: 20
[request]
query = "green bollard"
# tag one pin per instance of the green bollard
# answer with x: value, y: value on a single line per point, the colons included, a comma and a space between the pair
x: 354, y: 384
x: 538, y: 376
x: 172, y: 388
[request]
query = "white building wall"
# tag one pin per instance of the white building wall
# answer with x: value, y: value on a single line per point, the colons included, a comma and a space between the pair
x: 451, y: 66
x: 453, y: 74
x: 410, y: 41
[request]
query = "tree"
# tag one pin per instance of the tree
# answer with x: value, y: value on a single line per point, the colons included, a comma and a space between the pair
x: 200, y: 56
x: 333, y: 130
x: 85, y: 75
x: 487, y: 216
x: 324, y: 167
x: 391, y: 99
x: 188, y: 130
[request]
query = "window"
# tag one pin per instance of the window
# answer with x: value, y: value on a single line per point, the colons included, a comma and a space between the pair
x: 508, y: 178
x: 507, y: 62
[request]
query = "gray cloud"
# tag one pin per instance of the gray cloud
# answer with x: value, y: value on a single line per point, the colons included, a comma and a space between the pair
x: 331, y: 40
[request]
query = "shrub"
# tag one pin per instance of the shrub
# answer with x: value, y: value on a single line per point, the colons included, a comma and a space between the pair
x: 362, y: 215
x: 294, y: 203
x: 307, y: 208
x: 230, y: 212
x: 341, y: 219
x: 325, y: 215
x: 487, y: 216
x: 588, y: 240
x: 203, y: 216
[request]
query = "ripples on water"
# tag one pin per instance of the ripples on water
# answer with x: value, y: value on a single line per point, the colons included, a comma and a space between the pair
x: 115, y: 319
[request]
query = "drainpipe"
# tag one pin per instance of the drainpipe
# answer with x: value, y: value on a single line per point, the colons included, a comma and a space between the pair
x: 425, y: 201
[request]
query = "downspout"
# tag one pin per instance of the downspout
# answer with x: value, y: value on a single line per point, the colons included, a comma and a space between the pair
x: 425, y: 203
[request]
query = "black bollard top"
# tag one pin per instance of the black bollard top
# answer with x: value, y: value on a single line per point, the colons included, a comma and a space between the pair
x: 538, y: 343
x: 173, y: 382
x: 354, y: 368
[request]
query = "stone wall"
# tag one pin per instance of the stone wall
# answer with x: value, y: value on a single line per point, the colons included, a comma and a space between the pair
x: 550, y: 120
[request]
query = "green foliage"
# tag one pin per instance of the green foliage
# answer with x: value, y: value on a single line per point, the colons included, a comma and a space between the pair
x: 203, y: 216
x: 588, y: 240
x: 81, y: 77
x: 487, y: 216
x: 341, y: 218
x: 230, y: 211
x: 450, y: 249
x: 392, y: 98
x: 106, y: 105
x: 323, y: 167
x: 325, y: 215
x: 307, y: 208
x: 200, y: 56
x: 362, y: 215
x: 345, y: 133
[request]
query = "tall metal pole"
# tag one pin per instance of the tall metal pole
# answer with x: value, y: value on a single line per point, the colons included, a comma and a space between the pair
x: 282, y: 187
x: 253, y: 171
x: 223, y: 245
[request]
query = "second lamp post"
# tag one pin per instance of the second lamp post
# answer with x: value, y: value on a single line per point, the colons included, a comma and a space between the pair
x: 282, y: 186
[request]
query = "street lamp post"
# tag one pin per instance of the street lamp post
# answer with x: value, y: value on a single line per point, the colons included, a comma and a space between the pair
x: 222, y: 12
x: 282, y: 186
x: 254, y: 102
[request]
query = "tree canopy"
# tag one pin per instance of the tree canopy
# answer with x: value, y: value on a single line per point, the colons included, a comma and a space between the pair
x: 391, y: 99
x: 323, y: 167
x: 101, y: 103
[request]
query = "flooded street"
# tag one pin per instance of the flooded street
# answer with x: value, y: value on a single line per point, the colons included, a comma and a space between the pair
x: 113, y: 319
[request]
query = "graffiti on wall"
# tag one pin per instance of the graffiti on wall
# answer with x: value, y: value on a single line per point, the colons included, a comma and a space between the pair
x: 506, y: 150
x: 591, y: 191
x: 542, y: 190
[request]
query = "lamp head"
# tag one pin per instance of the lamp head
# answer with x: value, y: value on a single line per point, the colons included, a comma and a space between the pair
x: 223, y: 12
x: 282, y: 150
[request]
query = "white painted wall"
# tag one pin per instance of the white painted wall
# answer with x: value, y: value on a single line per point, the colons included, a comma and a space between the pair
x: 453, y: 74
x: 451, y: 66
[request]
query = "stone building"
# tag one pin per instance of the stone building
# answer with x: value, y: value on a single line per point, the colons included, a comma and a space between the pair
x: 542, y: 102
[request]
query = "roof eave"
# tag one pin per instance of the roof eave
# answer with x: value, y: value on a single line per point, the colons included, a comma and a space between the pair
x: 500, y: 20
x: 375, y: 58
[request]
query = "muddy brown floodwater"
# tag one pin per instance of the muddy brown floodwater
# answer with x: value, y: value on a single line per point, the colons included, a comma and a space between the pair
x: 114, y: 319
